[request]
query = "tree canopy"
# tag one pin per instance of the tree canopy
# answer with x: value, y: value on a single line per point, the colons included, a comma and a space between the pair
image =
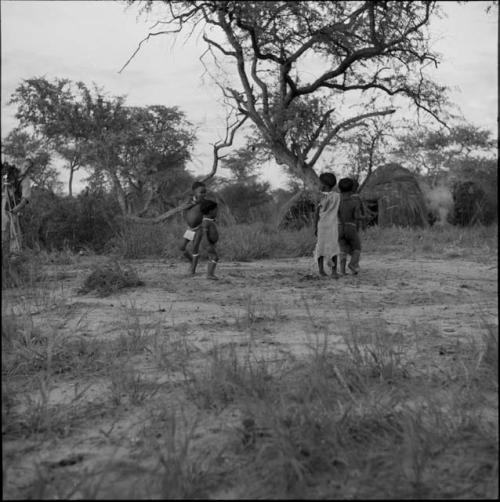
x: 56, y: 112
x: 434, y: 152
x: 18, y: 145
x: 301, y: 65
x: 136, y: 150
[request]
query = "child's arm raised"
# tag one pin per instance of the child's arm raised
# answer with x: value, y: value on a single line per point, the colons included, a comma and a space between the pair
x: 191, y: 202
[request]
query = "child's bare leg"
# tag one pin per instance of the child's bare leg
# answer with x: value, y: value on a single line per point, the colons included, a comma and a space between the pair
x: 321, y: 267
x: 195, y: 253
x: 334, y: 267
x: 213, y: 258
x: 211, y: 269
x: 194, y: 263
x: 343, y: 261
x: 184, y: 250
x: 354, y: 262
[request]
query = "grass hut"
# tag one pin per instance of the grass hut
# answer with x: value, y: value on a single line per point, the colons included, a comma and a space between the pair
x: 393, y: 196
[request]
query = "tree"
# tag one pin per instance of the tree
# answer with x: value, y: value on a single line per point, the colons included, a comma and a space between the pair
x: 242, y: 164
x: 435, y: 153
x: 136, y: 148
x: 133, y: 150
x: 56, y: 111
x: 367, y: 51
x: 19, y: 145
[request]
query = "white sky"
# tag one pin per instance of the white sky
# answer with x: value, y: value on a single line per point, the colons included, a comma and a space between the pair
x: 91, y: 40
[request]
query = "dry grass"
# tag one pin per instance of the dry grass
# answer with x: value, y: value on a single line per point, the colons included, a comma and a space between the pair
x: 332, y: 425
x: 247, y: 242
x: 437, y: 241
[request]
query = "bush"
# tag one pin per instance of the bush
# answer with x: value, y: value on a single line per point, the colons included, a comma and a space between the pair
x: 471, y: 205
x: 54, y: 222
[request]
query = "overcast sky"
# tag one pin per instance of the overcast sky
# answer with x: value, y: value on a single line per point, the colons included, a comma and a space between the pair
x: 91, y: 40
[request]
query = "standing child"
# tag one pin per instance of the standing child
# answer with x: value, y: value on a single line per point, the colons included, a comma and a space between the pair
x: 208, y: 209
x: 350, y: 215
x: 193, y: 217
x: 326, y: 225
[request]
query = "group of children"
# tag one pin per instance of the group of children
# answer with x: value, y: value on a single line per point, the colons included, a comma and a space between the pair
x: 337, y: 220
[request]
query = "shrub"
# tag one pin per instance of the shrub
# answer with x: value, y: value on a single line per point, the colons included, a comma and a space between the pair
x: 55, y: 222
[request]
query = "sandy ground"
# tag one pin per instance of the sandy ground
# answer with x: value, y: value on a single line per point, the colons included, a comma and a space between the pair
x: 279, y: 307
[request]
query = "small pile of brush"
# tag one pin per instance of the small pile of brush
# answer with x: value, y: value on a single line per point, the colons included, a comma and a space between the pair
x: 110, y: 277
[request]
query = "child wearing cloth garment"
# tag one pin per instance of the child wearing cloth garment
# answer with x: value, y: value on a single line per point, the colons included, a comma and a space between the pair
x: 326, y: 225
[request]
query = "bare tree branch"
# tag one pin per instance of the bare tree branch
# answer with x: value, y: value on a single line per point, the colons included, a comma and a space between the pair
x: 346, y: 124
x: 165, y: 32
x: 217, y: 146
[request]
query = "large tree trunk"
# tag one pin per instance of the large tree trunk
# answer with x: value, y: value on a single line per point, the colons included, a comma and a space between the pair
x: 296, y: 167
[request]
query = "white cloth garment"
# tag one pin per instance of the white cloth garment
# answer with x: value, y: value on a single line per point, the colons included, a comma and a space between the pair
x: 327, y: 244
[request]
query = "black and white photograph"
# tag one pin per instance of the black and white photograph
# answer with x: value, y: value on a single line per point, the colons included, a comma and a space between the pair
x: 249, y: 249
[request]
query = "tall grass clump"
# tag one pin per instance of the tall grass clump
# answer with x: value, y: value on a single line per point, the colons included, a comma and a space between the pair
x: 145, y: 240
x: 238, y: 242
x: 227, y: 378
x: 255, y: 241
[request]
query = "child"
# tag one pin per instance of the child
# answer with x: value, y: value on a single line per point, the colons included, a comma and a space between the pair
x: 350, y: 214
x: 326, y: 224
x: 193, y: 217
x: 208, y: 209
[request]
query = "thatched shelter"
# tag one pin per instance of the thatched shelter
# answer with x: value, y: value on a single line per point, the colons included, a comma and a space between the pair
x: 393, y: 196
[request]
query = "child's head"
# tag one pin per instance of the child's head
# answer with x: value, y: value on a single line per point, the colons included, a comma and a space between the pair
x: 327, y: 181
x: 199, y: 190
x: 346, y: 185
x: 208, y: 208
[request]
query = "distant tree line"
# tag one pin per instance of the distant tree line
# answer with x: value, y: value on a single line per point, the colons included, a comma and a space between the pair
x: 136, y: 160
